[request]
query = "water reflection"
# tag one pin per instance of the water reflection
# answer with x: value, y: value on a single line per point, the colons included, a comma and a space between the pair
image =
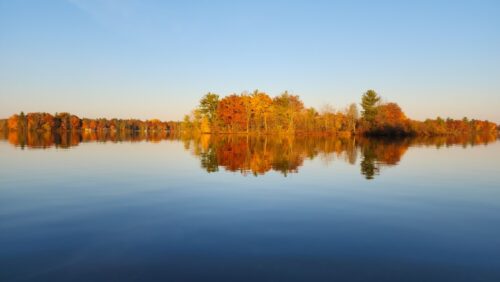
x: 259, y: 154
x: 43, y: 140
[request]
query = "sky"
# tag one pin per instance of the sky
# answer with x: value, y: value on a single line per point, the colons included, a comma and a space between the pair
x: 156, y: 59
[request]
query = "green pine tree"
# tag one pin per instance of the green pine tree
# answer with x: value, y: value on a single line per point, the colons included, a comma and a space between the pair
x: 369, y: 102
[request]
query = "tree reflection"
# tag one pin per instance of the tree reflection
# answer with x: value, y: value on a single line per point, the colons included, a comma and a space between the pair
x: 369, y: 167
x: 259, y: 154
x: 67, y: 139
x: 381, y: 152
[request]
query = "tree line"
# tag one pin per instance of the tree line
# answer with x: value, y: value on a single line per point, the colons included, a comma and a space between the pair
x: 286, y: 113
x: 46, y: 122
x: 257, y: 112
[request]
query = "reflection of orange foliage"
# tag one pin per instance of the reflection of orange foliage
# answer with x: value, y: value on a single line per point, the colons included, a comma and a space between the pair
x: 261, y: 163
x: 32, y: 139
x: 259, y: 154
x: 205, y: 141
x: 390, y: 154
x: 66, y: 139
x: 233, y: 155
x: 12, y: 122
x: 13, y: 138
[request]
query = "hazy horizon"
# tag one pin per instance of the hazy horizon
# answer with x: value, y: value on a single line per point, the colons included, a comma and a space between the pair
x: 153, y: 59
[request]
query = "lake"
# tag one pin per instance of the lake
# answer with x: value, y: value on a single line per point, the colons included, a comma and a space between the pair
x: 84, y: 207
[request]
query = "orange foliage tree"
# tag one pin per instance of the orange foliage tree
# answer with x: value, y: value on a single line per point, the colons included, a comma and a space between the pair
x: 232, y: 112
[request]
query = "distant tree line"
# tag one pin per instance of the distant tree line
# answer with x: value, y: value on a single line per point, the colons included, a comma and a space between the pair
x: 46, y: 122
x: 286, y: 113
x: 383, y: 119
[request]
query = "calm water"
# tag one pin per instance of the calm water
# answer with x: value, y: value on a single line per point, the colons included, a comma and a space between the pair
x: 104, y: 208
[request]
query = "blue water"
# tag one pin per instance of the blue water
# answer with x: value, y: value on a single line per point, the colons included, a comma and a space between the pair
x: 150, y: 212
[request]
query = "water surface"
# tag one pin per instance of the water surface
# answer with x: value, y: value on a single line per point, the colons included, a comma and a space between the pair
x: 237, y: 208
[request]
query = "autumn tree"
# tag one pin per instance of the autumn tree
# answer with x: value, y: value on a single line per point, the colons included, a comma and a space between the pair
x: 390, y: 120
x: 328, y: 117
x: 75, y: 122
x: 287, y: 107
x: 262, y: 105
x: 62, y: 121
x: 196, y: 118
x: 232, y: 112
x: 47, y: 122
x: 390, y: 114
x: 33, y: 121
x: 208, y: 106
x: 246, y: 100
x: 352, y: 116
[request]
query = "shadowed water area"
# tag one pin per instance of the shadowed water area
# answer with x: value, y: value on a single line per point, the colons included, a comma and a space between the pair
x: 135, y: 207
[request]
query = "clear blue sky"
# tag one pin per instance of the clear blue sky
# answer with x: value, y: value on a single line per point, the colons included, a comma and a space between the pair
x: 155, y: 59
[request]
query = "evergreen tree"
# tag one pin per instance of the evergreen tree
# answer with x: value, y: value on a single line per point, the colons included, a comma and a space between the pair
x: 369, y: 102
